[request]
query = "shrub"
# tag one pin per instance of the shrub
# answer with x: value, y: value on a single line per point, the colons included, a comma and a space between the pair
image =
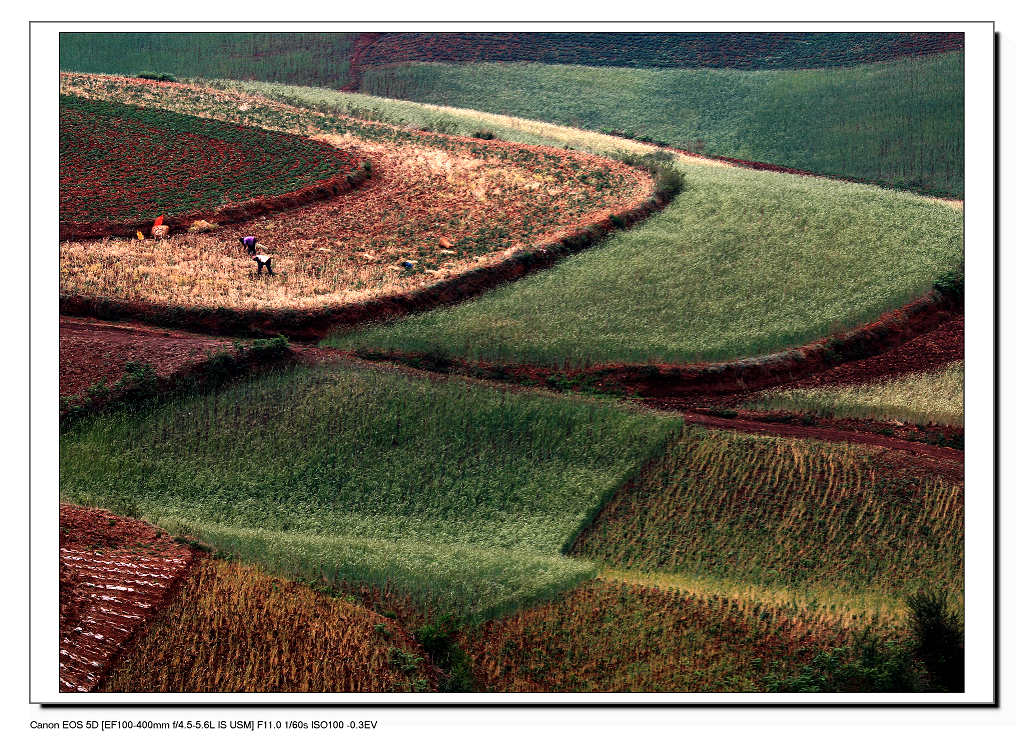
x: 438, y: 640
x: 148, y: 75
x: 867, y: 665
x: 668, y: 179
x: 938, y: 639
x: 951, y: 284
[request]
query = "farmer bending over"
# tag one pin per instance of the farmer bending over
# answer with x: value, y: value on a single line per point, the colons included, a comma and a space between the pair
x: 258, y: 252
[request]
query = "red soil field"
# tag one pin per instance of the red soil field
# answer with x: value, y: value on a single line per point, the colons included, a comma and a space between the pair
x: 91, y: 351
x: 436, y: 207
x: 115, y: 574
x: 122, y: 166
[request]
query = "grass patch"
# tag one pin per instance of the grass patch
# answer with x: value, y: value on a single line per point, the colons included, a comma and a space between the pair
x: 899, y: 123
x: 741, y: 263
x: 461, y: 495
x: 928, y: 398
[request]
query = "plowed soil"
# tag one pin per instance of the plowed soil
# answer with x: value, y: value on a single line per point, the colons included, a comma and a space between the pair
x: 115, y: 573
x: 91, y: 351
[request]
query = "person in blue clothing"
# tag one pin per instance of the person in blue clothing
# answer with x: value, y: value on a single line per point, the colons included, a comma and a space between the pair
x: 258, y: 252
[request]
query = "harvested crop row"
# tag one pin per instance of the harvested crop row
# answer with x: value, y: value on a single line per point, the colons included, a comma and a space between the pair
x: 231, y: 628
x: 609, y: 636
x: 485, y: 200
x: 115, y: 573
x: 926, y: 398
x: 784, y: 513
x: 120, y: 165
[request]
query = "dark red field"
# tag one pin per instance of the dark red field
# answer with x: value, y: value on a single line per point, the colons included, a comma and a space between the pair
x: 122, y: 166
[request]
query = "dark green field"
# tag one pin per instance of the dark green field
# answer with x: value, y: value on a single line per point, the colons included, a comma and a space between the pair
x: 741, y: 263
x: 459, y: 495
x: 312, y: 59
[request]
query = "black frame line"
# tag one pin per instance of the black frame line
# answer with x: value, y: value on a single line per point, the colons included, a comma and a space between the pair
x: 368, y: 704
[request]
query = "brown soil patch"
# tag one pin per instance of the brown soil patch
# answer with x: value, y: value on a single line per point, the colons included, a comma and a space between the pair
x: 92, y: 351
x: 115, y: 573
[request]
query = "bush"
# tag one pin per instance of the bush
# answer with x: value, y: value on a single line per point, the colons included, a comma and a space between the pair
x: 868, y: 665
x: 438, y: 640
x: 938, y: 639
x: 484, y: 135
x: 668, y: 179
x: 951, y: 284
x: 148, y: 75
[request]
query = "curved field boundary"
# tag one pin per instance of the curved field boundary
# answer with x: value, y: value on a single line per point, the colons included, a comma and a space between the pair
x: 236, y: 213
x: 312, y: 325
x: 739, y: 376
x: 216, y: 368
x: 947, y: 461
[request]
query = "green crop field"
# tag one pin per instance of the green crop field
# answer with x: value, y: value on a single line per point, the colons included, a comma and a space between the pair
x: 740, y: 263
x: 505, y: 539
x: 924, y: 398
x: 310, y: 58
x: 898, y: 123
x: 459, y: 495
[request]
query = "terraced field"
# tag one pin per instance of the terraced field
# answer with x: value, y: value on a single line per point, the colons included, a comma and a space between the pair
x: 459, y: 496
x: 122, y: 166
x: 376, y: 528
x: 436, y: 207
x: 234, y: 629
x: 734, y: 267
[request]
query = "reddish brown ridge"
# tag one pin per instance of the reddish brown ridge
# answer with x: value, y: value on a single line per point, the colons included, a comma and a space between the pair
x: 236, y: 213
x: 314, y: 324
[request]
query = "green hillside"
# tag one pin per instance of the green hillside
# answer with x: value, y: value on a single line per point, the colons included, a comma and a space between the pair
x: 897, y: 123
x: 312, y: 59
